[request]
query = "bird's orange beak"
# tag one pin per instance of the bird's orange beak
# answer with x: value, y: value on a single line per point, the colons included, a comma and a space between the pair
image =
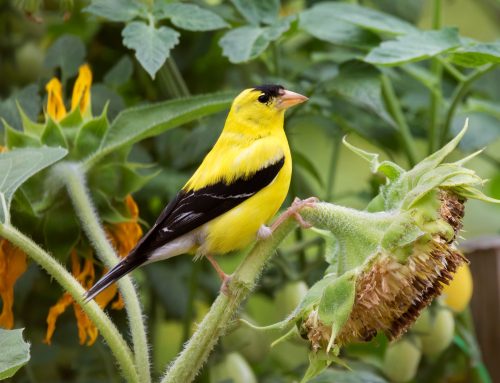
x: 288, y: 98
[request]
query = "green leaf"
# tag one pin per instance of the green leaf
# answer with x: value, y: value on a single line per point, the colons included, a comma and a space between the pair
x: 117, y: 180
x: 248, y: 42
x: 61, y: 230
x: 243, y: 43
x: 318, y: 362
x: 360, y: 84
x: 477, y: 55
x: 67, y: 53
x: 73, y: 119
x: 116, y: 10
x: 412, y: 47
x: 322, y: 23
x: 189, y: 16
x: 29, y: 126
x: 312, y: 297
x: 151, y: 45
x: 14, y: 352
x: 336, y: 302
x: 90, y: 136
x: 28, y: 99
x: 366, y: 18
x: 348, y: 376
x: 17, y: 166
x: 120, y: 73
x: 16, y: 139
x: 103, y: 98
x: 135, y: 124
x: 258, y: 11
x: 53, y: 135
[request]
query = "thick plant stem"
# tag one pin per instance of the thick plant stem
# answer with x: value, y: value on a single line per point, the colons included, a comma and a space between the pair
x: 73, y: 178
x: 458, y: 95
x: 108, y: 330
x: 397, y: 113
x: 191, y: 359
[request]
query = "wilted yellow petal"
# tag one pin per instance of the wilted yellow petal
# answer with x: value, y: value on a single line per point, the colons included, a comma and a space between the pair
x: 12, y: 266
x: 81, y: 89
x: 54, y: 313
x: 55, y: 104
x: 125, y: 235
x: 86, y: 329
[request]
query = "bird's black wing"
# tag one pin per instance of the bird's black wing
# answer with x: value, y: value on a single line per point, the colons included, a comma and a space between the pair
x: 188, y: 211
x: 191, y: 209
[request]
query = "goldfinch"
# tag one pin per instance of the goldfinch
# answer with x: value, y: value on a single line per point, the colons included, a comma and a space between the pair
x: 237, y: 189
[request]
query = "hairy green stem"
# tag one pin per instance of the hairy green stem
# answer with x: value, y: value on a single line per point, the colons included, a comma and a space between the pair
x: 108, y: 330
x: 195, y: 353
x: 73, y: 178
x: 397, y: 113
x: 171, y: 80
x: 436, y: 94
x: 458, y: 95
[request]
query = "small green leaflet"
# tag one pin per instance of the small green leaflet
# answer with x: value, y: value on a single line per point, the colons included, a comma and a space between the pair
x: 151, y: 45
x: 14, y: 352
x: 17, y: 166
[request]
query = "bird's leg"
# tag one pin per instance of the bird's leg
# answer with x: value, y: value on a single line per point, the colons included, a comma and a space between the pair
x: 294, y: 211
x: 222, y: 275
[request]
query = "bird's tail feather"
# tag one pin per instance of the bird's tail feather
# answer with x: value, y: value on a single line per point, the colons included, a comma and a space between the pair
x: 118, y: 271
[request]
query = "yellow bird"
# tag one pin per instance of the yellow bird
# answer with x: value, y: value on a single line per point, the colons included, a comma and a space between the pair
x: 238, y: 188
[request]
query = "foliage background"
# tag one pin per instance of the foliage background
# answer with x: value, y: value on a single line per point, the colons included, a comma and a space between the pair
x: 307, y: 56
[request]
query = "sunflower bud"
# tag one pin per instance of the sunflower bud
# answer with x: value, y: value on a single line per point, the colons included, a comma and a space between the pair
x: 391, y: 260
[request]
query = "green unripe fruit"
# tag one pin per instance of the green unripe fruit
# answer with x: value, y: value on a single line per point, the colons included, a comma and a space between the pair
x: 401, y: 360
x: 440, y: 335
x: 422, y: 325
x: 234, y: 368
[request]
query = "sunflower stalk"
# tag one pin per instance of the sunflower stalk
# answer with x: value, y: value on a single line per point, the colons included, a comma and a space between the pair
x: 110, y: 333
x: 195, y: 353
x: 72, y: 176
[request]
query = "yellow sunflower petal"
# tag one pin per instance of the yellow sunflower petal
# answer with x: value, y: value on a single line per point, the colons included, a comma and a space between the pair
x: 55, y: 104
x: 12, y: 266
x: 125, y: 235
x: 54, y: 313
x: 86, y: 329
x: 81, y: 89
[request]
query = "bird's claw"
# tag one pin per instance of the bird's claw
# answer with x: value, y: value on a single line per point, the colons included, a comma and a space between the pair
x: 294, y: 211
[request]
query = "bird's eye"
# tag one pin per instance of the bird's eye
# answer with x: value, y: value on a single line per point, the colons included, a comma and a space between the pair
x: 263, y: 98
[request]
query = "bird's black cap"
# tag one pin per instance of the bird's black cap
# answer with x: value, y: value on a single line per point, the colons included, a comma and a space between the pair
x: 270, y: 90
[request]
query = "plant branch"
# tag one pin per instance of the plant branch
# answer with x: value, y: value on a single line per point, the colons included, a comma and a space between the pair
x: 397, y: 113
x: 74, y: 180
x: 195, y: 353
x: 108, y: 330
x: 458, y: 95
x: 436, y: 94
x: 459, y: 76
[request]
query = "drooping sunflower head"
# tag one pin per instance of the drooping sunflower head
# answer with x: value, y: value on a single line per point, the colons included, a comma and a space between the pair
x: 391, y: 260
